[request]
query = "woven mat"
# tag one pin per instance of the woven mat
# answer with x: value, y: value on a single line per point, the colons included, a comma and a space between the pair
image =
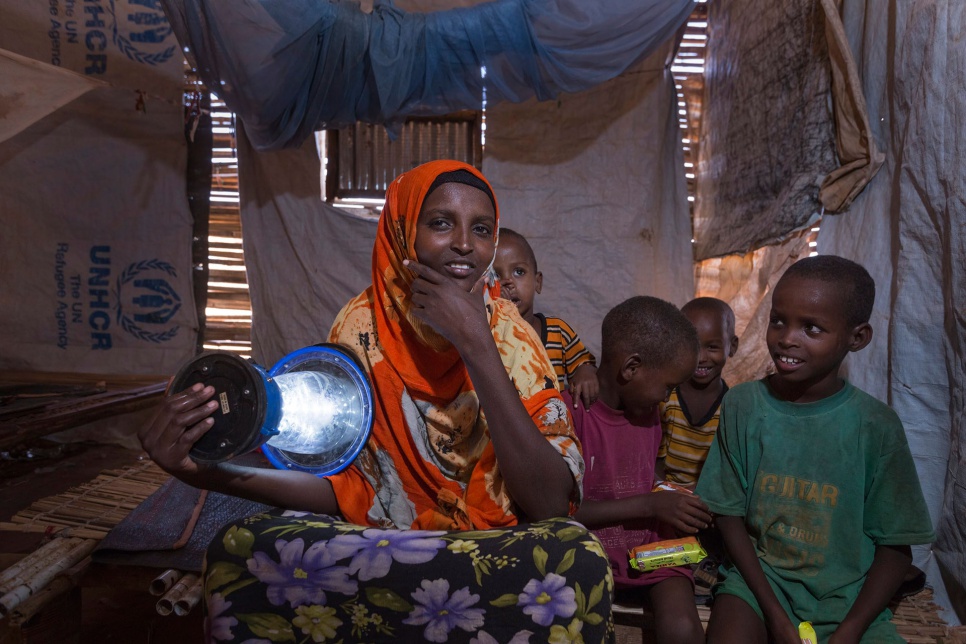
x: 91, y: 510
x: 169, y: 530
x: 173, y: 527
x: 141, y: 515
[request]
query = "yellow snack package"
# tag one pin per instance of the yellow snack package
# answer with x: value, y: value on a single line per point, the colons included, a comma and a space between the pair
x: 807, y: 633
x: 661, y: 554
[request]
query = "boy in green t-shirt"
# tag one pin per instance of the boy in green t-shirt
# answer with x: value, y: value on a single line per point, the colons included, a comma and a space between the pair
x: 816, y: 472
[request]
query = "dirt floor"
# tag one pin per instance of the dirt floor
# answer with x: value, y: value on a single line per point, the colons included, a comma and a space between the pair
x: 112, y: 604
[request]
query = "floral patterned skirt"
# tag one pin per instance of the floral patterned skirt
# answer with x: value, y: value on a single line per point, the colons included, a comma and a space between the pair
x: 298, y: 577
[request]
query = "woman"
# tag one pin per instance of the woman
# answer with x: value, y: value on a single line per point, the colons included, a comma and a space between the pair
x: 460, y: 454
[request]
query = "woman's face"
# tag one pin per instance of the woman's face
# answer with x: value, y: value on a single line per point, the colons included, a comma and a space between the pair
x: 455, y: 232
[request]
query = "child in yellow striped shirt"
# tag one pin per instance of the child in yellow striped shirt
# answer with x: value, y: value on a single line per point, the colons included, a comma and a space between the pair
x: 690, y: 415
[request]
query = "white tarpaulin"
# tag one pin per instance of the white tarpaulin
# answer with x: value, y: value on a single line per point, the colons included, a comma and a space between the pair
x: 595, y: 179
x: 908, y: 228
x: 96, y: 255
x: 305, y: 259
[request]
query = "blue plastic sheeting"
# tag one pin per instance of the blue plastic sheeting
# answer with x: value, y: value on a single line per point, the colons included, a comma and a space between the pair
x: 289, y: 67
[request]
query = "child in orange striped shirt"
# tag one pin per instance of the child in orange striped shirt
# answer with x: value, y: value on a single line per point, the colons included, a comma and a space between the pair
x: 576, y: 367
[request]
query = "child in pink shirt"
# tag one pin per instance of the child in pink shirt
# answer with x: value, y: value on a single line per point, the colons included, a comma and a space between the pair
x: 649, y: 348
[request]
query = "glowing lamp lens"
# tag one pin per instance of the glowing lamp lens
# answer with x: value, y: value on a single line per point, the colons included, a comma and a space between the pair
x: 326, y: 410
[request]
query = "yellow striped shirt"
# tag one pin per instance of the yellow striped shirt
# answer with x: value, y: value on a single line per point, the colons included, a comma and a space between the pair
x: 685, y: 444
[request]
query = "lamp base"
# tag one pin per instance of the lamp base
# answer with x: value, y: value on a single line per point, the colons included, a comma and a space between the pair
x: 246, y: 398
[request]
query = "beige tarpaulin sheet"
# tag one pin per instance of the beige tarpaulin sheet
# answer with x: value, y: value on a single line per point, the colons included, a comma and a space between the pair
x: 33, y: 89
x: 96, y: 250
x: 859, y: 156
x: 770, y: 140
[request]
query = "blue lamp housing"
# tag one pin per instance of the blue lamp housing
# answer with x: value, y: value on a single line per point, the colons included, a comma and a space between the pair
x: 312, y: 411
x: 327, y: 410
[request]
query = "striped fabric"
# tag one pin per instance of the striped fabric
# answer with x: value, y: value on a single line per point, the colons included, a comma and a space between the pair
x: 564, y: 347
x: 685, y: 445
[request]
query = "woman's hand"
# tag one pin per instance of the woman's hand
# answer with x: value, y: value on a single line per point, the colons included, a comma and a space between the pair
x: 181, y: 420
x: 584, y: 385
x: 440, y: 302
x: 685, y: 513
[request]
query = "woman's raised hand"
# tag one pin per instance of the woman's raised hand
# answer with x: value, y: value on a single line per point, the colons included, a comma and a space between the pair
x: 180, y: 421
x: 442, y: 303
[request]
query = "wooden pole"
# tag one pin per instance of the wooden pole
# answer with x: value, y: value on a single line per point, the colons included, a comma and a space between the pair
x: 57, y: 418
x: 61, y: 584
x: 17, y: 573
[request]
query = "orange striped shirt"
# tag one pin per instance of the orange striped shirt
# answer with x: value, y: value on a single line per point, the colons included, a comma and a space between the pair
x: 564, y: 347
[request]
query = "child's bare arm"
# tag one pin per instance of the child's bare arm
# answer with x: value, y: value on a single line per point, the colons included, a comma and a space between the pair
x: 686, y: 513
x: 584, y: 385
x: 743, y: 555
x: 659, y: 470
x: 888, y: 568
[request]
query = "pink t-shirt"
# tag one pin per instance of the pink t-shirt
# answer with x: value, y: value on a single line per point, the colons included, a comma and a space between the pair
x: 619, y: 459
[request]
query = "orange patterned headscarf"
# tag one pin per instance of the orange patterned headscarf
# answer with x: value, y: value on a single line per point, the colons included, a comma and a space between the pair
x: 429, y: 462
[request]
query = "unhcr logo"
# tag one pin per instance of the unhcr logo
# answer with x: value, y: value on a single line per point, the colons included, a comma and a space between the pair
x: 146, y: 301
x: 141, y: 30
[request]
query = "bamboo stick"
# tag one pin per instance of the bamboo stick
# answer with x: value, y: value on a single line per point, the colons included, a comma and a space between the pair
x: 33, y: 604
x: 61, y: 584
x: 46, y: 552
x: 189, y: 599
x: 165, y: 605
x: 43, y: 577
x: 163, y: 582
x: 66, y: 530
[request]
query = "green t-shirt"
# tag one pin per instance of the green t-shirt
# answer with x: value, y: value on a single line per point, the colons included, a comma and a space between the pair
x: 819, y: 486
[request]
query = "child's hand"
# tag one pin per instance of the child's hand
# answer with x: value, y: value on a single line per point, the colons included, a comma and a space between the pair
x: 782, y: 630
x: 685, y: 513
x: 181, y: 420
x: 842, y: 638
x: 584, y: 385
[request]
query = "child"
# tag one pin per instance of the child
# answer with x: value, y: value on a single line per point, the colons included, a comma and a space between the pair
x: 817, y: 473
x: 690, y: 416
x: 516, y: 266
x: 649, y: 348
